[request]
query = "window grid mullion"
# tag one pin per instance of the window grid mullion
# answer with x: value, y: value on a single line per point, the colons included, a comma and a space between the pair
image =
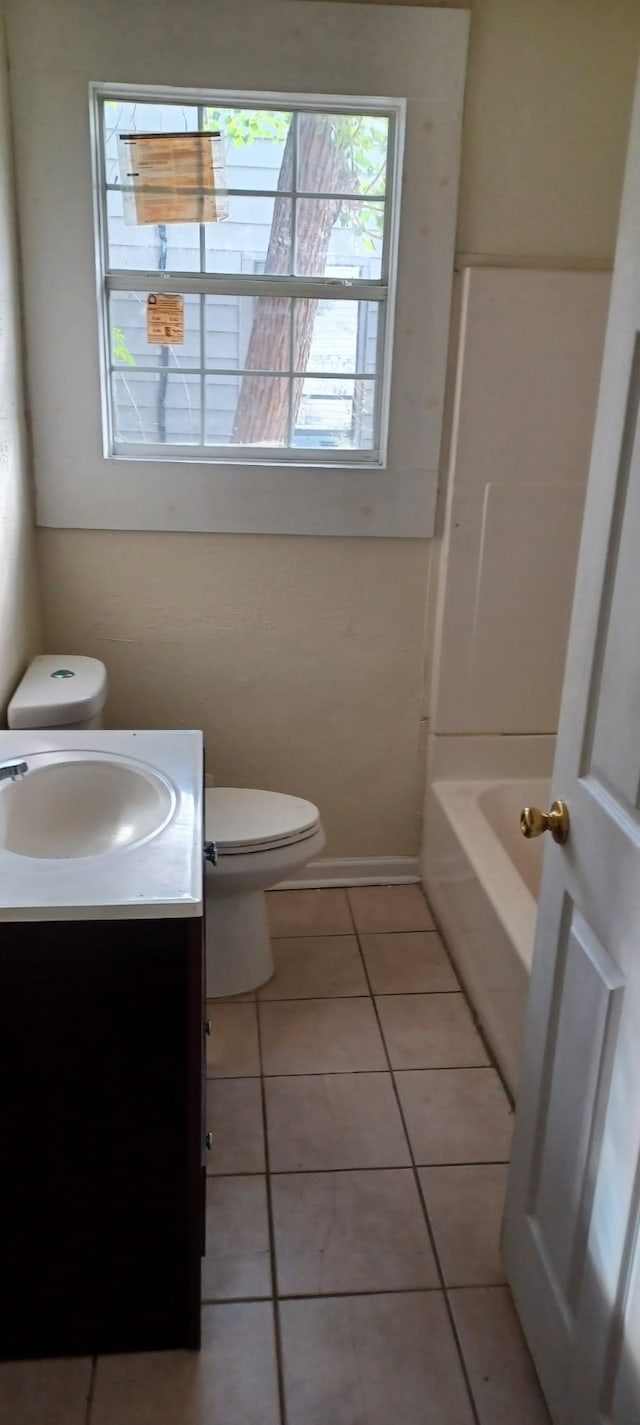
x: 292, y: 266
x: 379, y: 198
x: 356, y: 289
x: 232, y: 371
x: 203, y: 300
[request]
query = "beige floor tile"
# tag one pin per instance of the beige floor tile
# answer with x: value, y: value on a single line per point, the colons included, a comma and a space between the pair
x: 385, y: 908
x: 334, y: 1121
x: 408, y: 962
x: 309, y: 913
x: 356, y: 1231
x: 465, y: 1206
x: 503, y: 1381
x: 372, y: 1360
x: 313, y: 966
x: 231, y: 1381
x: 234, y: 1117
x: 232, y: 1045
x: 320, y: 1036
x: 456, y: 1115
x: 430, y: 1032
x: 44, y: 1392
x: 237, y: 1261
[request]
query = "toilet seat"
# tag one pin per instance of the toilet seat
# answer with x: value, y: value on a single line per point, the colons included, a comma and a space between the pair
x: 242, y: 820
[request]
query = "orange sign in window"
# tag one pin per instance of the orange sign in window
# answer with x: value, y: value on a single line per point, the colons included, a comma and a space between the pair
x: 172, y: 178
x: 165, y: 319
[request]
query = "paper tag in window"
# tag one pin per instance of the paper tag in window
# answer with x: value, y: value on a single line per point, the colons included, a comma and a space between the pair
x: 165, y: 319
x: 172, y: 178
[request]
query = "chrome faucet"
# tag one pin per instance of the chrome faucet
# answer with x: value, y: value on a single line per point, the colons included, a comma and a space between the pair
x: 13, y: 771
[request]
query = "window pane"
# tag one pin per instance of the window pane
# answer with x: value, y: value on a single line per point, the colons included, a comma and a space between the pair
x: 154, y: 408
x: 335, y: 336
x: 248, y: 410
x: 339, y: 239
x: 129, y: 345
x: 256, y: 229
x: 150, y: 248
x: 126, y: 116
x: 342, y: 153
x: 254, y: 146
x: 250, y: 332
x: 334, y: 414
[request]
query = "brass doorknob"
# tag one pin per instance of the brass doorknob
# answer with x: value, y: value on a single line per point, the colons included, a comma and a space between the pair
x: 534, y: 822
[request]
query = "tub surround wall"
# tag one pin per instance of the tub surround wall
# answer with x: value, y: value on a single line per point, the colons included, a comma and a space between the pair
x: 528, y: 359
x: 19, y: 611
x: 525, y: 396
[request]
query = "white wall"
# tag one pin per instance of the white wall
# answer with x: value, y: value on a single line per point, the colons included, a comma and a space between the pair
x: 19, y: 614
x: 311, y: 679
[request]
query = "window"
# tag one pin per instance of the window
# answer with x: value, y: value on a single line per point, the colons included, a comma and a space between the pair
x: 275, y: 226
x: 366, y: 432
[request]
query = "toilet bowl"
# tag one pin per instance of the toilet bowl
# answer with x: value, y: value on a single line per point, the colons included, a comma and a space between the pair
x: 261, y: 838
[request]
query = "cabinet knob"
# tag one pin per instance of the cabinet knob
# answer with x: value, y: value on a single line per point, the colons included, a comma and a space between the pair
x: 207, y: 1026
x: 209, y: 1141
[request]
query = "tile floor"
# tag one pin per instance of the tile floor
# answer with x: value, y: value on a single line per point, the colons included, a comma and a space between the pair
x: 354, y: 1198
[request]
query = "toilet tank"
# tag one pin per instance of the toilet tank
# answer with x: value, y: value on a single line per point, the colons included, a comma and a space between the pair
x: 60, y: 690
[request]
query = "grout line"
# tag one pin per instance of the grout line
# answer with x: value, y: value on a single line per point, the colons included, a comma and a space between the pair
x: 233, y: 1300
x: 430, y: 1232
x: 323, y: 1295
x: 272, y: 1240
x: 331, y: 1073
x: 363, y: 1168
x: 345, y: 935
x: 360, y: 994
x: 91, y: 1390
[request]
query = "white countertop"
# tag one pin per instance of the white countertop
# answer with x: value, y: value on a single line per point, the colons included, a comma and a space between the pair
x: 160, y: 877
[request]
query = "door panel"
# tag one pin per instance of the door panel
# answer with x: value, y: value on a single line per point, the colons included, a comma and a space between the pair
x: 584, y: 1009
x: 571, y: 1226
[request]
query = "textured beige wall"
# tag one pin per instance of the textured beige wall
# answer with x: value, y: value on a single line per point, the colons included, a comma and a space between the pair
x: 547, y: 109
x: 549, y: 86
x: 302, y: 659
x: 19, y: 629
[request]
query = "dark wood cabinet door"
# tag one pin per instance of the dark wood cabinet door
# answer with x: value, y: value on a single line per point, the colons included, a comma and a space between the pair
x: 100, y: 1136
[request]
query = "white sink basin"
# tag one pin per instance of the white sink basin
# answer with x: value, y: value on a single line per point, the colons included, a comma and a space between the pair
x: 72, y: 804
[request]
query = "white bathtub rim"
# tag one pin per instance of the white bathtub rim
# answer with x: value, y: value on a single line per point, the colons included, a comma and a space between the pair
x: 515, y: 906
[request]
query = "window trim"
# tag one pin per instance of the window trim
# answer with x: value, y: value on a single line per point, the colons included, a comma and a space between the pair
x: 382, y: 291
x: 419, y: 53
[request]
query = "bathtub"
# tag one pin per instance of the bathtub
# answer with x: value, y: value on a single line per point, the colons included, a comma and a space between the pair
x: 482, y: 878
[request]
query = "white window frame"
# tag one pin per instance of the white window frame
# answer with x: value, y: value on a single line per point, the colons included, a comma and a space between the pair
x: 272, y: 46
x: 381, y: 291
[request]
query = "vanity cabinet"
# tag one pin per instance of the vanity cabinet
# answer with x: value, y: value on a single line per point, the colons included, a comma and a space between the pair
x: 102, y: 1151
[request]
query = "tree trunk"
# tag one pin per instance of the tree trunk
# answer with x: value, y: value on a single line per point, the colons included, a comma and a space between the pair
x: 262, y: 415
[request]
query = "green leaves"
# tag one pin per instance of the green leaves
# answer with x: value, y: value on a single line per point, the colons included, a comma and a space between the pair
x: 120, y: 349
x: 244, y: 126
x: 362, y: 138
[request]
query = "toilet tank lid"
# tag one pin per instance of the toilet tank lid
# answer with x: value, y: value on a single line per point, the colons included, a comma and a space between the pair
x: 58, y: 688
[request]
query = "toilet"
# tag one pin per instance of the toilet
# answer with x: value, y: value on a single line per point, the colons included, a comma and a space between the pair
x: 260, y: 838
x: 60, y: 690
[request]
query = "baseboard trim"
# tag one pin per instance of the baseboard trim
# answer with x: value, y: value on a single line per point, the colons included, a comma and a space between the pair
x: 354, y: 871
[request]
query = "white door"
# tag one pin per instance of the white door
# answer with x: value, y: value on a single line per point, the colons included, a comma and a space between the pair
x: 573, y: 1207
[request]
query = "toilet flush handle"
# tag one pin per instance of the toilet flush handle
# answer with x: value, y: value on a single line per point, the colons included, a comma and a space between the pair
x: 210, y: 852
